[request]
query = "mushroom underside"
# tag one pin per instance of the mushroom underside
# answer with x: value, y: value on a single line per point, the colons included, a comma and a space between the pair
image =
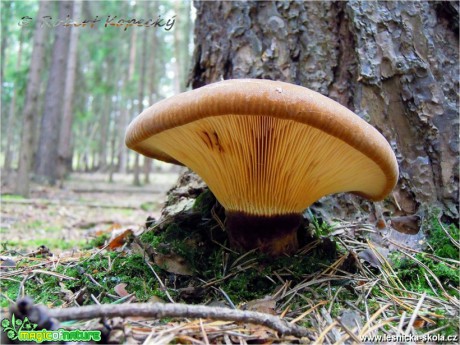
x: 267, y: 167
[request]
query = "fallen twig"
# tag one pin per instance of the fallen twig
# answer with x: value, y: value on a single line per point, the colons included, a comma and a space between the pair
x: 160, y: 310
x: 415, y: 314
x: 453, y: 240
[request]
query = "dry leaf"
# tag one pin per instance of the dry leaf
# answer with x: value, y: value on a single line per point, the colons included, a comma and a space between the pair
x: 265, y: 305
x: 263, y: 334
x: 406, y: 224
x: 6, y: 264
x: 381, y: 224
x: 68, y: 294
x: 420, y: 323
x: 120, y: 240
x: 370, y: 256
x: 155, y: 299
x: 351, y: 319
x: 120, y: 289
x: 173, y: 263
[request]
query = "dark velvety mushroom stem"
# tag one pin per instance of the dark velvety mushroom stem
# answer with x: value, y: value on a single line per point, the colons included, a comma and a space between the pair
x: 273, y: 235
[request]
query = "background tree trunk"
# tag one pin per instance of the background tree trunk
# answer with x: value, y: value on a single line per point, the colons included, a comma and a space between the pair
x: 4, y: 42
x: 122, y: 154
x: 12, y: 114
x: 65, y: 136
x: 152, y: 86
x: 395, y: 64
x: 105, y: 115
x: 47, y: 154
x: 31, y: 104
x: 143, y: 69
x: 124, y: 115
x: 181, y: 45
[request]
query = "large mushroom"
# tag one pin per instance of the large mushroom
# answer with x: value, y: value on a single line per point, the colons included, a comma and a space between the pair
x: 267, y: 150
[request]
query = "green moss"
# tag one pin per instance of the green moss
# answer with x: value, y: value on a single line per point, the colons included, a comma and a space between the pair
x: 338, y: 306
x: 97, y: 242
x: 247, y: 286
x: 451, y: 324
x: 98, y: 276
x: 131, y: 270
x: 10, y: 288
x: 150, y: 237
x: 204, y: 203
x: 320, y: 227
x: 197, y: 236
x: 414, y: 275
x: 440, y: 242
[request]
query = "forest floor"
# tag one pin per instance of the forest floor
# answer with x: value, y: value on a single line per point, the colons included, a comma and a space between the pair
x: 87, y: 252
x: 87, y: 205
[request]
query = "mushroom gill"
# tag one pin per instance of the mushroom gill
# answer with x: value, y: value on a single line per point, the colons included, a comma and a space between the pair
x: 267, y: 150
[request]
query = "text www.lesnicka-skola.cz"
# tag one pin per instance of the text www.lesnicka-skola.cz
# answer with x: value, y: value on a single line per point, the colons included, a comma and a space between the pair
x: 431, y: 338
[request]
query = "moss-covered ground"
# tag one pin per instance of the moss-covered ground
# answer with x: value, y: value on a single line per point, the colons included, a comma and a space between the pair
x: 326, y: 286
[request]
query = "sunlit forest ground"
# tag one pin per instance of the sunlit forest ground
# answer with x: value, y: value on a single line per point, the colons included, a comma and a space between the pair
x: 86, y: 205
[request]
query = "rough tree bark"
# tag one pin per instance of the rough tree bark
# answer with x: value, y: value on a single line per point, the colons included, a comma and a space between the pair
x: 31, y: 104
x: 393, y: 63
x: 47, y: 154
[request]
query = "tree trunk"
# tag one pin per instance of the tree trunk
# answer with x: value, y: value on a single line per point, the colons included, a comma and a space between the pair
x: 12, y: 114
x: 5, y: 29
x: 152, y: 67
x: 181, y: 45
x: 124, y: 116
x: 4, y: 43
x: 142, y: 72
x: 47, y: 155
x: 107, y: 107
x: 105, y: 122
x: 65, y: 136
x: 122, y: 124
x: 31, y: 104
x: 394, y: 64
x: 178, y: 41
x: 113, y: 138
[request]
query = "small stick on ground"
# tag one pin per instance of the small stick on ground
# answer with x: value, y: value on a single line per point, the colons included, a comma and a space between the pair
x: 159, y: 280
x: 160, y: 310
x: 456, y: 243
x: 415, y: 314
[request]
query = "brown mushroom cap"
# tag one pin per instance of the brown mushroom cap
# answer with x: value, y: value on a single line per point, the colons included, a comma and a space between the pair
x: 267, y: 147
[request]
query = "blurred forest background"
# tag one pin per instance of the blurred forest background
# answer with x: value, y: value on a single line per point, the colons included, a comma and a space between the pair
x: 70, y: 89
x: 70, y: 186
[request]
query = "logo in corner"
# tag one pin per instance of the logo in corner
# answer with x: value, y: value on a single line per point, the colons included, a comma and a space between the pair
x: 24, y: 330
x: 14, y: 326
